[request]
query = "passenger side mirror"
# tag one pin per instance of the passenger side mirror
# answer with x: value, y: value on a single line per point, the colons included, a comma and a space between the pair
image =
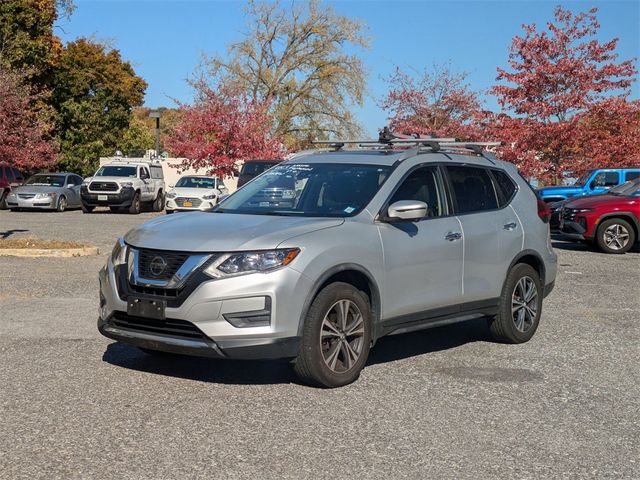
x: 407, y: 210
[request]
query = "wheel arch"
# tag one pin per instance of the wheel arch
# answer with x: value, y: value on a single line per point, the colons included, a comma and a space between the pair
x: 533, y: 259
x: 623, y: 215
x: 355, y: 275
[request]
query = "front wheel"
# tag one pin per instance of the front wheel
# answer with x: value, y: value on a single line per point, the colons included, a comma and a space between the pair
x: 3, y: 199
x: 336, y: 337
x: 135, y: 204
x: 615, y: 236
x: 62, y: 204
x: 158, y: 203
x: 520, y: 306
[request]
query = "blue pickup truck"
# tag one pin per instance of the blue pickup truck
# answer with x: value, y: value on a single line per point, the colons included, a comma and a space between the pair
x: 590, y: 183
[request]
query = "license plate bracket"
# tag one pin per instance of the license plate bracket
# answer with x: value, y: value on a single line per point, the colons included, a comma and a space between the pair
x: 188, y: 203
x: 144, y: 307
x: 103, y: 198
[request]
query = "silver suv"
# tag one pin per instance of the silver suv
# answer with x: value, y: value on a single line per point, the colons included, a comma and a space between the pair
x: 375, y: 241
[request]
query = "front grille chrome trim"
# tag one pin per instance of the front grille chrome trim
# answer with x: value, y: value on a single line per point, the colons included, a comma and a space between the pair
x: 177, y: 281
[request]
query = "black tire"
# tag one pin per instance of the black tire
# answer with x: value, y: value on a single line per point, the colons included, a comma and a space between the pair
x: 3, y: 199
x: 134, y: 209
x: 115, y: 209
x: 519, y: 326
x: 610, y: 242
x: 158, y: 203
x: 311, y: 365
x: 168, y: 212
x: 87, y: 208
x: 62, y: 204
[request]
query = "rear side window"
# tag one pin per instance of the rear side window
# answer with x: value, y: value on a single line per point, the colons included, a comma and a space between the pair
x: 631, y: 176
x: 256, y: 168
x: 505, y: 187
x: 472, y: 188
x: 156, y: 172
x: 605, y: 179
x: 17, y: 175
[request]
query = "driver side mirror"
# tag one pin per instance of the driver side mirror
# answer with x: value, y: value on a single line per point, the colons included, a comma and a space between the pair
x: 408, y: 210
x: 171, y: 185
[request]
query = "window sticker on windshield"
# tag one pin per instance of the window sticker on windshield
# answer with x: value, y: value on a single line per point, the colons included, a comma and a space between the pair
x: 264, y: 204
x: 349, y: 210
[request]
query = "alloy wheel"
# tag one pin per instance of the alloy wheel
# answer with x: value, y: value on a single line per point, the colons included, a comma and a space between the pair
x: 341, y: 336
x: 616, y: 237
x: 524, y: 304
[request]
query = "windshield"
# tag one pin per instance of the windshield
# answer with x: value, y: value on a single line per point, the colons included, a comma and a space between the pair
x: 309, y: 190
x: 48, y: 180
x: 116, y: 171
x: 196, y: 182
x: 630, y: 188
x: 582, y: 179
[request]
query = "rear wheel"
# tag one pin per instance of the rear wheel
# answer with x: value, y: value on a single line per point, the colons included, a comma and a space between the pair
x: 615, y: 236
x: 158, y: 203
x: 3, y: 199
x: 135, y: 204
x: 336, y: 337
x: 520, y: 306
x: 62, y: 204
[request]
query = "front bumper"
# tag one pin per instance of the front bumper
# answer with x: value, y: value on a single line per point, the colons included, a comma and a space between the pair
x: 172, y: 206
x: 574, y: 231
x: 205, y: 322
x: 123, y: 198
x: 13, y: 201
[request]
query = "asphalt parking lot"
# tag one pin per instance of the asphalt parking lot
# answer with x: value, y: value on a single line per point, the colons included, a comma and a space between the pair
x: 441, y: 403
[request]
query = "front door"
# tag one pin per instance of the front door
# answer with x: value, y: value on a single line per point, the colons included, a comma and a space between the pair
x: 423, y: 259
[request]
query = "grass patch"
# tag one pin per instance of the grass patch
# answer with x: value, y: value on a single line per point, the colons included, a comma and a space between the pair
x: 36, y: 243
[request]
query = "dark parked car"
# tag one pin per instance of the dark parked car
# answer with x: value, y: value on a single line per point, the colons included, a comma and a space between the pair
x: 253, y: 168
x: 10, y: 177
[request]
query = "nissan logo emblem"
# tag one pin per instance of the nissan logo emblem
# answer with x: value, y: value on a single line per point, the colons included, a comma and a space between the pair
x: 157, y: 266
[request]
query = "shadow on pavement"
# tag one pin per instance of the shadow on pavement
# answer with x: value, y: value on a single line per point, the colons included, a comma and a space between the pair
x: 239, y: 372
x: 8, y: 233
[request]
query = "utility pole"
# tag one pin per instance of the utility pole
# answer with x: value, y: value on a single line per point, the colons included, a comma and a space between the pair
x: 156, y: 115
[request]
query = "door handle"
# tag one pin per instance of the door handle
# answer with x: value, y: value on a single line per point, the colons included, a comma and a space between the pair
x: 510, y: 226
x: 451, y: 236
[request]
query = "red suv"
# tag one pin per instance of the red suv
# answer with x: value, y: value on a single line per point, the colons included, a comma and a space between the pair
x: 612, y: 220
x: 9, y: 177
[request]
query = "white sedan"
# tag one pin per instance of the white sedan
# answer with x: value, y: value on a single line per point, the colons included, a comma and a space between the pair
x: 195, y: 193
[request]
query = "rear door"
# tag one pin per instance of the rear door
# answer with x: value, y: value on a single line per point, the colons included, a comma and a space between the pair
x: 423, y: 259
x: 476, y: 204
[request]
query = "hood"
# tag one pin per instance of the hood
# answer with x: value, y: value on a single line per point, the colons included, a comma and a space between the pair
x: 192, y: 192
x: 596, y: 201
x: 560, y: 189
x: 111, y: 179
x: 222, y: 232
x: 36, y: 189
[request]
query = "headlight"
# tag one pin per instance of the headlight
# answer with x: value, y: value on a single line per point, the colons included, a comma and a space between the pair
x: 209, y: 196
x: 126, y: 184
x: 171, y: 194
x: 12, y: 195
x: 119, y: 252
x: 251, y: 262
x: 46, y: 195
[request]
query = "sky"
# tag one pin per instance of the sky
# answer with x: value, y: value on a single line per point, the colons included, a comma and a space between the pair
x: 165, y: 40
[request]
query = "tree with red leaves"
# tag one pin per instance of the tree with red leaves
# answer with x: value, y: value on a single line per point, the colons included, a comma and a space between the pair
x: 24, y: 135
x: 437, y: 103
x: 562, y: 84
x: 221, y: 128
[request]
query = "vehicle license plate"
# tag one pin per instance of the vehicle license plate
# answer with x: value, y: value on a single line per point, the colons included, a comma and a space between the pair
x: 102, y: 198
x: 142, y: 307
x: 188, y: 203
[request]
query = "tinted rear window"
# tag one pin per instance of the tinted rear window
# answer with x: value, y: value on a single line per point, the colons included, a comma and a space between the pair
x: 472, y: 188
x: 256, y: 168
x: 505, y: 187
x: 631, y: 176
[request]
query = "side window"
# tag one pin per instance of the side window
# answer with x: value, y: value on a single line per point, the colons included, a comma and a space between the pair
x: 156, y: 172
x: 605, y: 179
x: 3, y: 173
x: 144, y: 173
x: 17, y: 175
x: 631, y: 176
x: 75, y: 180
x: 472, y: 188
x: 505, y: 187
x: 422, y: 185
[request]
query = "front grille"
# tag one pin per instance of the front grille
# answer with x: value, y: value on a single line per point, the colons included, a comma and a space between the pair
x: 568, y: 214
x: 170, y: 326
x: 155, y: 291
x: 103, y: 186
x: 26, y: 195
x: 195, y: 202
x: 150, y: 260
